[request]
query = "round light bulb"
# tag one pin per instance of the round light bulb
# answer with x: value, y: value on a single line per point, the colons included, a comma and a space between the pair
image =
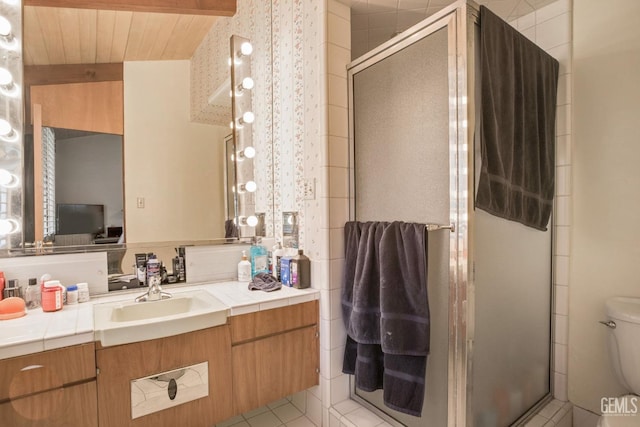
x: 247, y: 83
x: 251, y: 186
x: 5, y: 128
x: 5, y: 27
x: 231, y: 124
x: 252, y: 221
x: 248, y: 117
x: 7, y: 179
x: 5, y: 77
x: 246, y: 48
x: 8, y: 226
x: 249, y: 152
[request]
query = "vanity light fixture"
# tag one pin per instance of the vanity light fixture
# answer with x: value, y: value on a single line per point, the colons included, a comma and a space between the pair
x: 250, y: 220
x: 246, y: 49
x: 247, y: 153
x: 7, y: 38
x: 247, y: 117
x: 7, y: 132
x: 7, y: 179
x: 249, y: 186
x: 7, y: 85
x: 10, y: 226
x: 247, y: 84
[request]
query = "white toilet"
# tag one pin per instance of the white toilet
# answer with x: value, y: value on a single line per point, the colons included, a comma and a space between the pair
x: 623, y: 321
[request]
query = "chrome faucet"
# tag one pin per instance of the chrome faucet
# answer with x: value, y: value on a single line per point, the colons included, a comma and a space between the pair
x: 154, y: 293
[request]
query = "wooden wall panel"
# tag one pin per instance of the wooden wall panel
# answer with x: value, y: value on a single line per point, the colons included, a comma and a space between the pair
x: 96, y: 107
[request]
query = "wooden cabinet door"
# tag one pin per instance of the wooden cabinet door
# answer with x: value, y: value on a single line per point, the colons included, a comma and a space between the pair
x: 119, y: 365
x: 271, y: 368
x: 74, y: 406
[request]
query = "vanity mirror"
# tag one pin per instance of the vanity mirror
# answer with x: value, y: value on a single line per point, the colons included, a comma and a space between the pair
x: 173, y: 143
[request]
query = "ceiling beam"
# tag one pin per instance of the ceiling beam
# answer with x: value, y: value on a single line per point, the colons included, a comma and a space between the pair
x: 185, y: 7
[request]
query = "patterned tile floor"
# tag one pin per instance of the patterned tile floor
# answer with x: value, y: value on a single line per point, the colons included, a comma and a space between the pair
x: 281, y: 413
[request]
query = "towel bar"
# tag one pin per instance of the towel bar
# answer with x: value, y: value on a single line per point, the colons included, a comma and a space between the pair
x: 436, y: 227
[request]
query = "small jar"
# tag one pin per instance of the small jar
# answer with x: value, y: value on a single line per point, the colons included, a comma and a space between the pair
x: 51, y: 296
x: 83, y: 292
x: 72, y: 295
x: 32, y: 295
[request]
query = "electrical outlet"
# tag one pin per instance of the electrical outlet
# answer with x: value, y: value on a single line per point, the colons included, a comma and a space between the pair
x: 141, y: 202
x: 309, y: 189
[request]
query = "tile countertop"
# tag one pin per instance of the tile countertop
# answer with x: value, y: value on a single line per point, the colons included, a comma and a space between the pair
x: 39, y: 331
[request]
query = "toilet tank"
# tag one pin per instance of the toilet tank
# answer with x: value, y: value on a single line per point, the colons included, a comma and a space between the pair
x: 624, y: 340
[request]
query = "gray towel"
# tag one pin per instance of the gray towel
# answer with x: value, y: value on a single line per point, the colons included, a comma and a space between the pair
x: 264, y: 282
x: 517, y: 125
x: 386, y: 311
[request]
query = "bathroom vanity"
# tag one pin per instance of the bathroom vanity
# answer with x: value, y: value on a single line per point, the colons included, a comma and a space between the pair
x: 264, y: 352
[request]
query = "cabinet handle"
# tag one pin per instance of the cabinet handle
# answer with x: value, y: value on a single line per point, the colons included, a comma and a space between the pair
x: 31, y: 367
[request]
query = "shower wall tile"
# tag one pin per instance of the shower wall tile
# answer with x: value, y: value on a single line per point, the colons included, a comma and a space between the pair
x: 339, y: 151
x: 562, y: 270
x: 562, y: 243
x: 338, y: 212
x: 554, y: 32
x: 563, y: 180
x: 339, y: 31
x: 339, y: 389
x: 560, y: 359
x: 552, y: 10
x: 337, y: 60
x: 339, y: 182
x: 561, y: 329
x: 564, y: 89
x: 563, y: 54
x: 563, y: 119
x: 338, y: 121
x: 563, y: 150
x: 562, y: 215
x: 560, y: 386
x: 562, y: 300
x: 526, y: 21
x: 337, y: 269
x: 336, y: 238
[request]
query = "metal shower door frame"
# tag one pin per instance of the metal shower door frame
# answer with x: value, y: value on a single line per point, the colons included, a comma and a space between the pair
x: 459, y: 20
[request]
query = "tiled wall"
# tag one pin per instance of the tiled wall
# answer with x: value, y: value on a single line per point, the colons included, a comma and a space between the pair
x: 550, y: 28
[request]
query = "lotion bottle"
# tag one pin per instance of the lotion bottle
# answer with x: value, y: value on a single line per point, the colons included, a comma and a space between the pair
x: 277, y: 253
x: 244, y: 268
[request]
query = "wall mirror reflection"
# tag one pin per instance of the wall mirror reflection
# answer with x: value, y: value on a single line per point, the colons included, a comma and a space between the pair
x: 171, y: 75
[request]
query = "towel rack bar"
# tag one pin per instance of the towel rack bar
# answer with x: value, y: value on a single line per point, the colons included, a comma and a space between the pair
x: 436, y: 227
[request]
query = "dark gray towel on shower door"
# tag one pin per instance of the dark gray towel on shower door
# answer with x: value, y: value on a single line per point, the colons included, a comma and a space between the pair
x: 385, y: 309
x: 517, y: 125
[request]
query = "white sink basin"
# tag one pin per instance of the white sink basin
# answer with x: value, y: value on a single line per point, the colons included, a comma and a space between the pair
x: 128, y: 321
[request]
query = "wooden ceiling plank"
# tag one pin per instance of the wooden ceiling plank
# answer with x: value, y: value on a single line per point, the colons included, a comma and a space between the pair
x: 104, y: 35
x: 69, y: 19
x: 121, y: 36
x: 35, y: 50
x: 172, y: 49
x: 88, y: 36
x: 184, y: 47
x: 160, y: 29
x: 136, y: 35
x: 195, y: 7
x: 52, y: 34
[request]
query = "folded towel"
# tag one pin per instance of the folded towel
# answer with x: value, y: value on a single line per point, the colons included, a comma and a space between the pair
x: 517, y: 125
x: 264, y: 282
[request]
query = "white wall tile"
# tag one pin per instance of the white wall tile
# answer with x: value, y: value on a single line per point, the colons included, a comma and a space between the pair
x: 346, y: 406
x: 325, y: 304
x: 338, y: 333
x: 561, y: 329
x: 338, y: 212
x: 562, y: 300
x: 562, y: 214
x: 560, y: 386
x: 562, y: 270
x: 336, y: 243
x: 562, y: 241
x: 360, y: 23
x: 339, y: 182
x: 363, y: 418
x: 339, y: 31
x: 337, y: 270
x: 337, y: 356
x: 552, y: 10
x: 563, y: 119
x: 564, y: 89
x: 563, y: 150
x: 554, y: 32
x: 334, y: 421
x: 337, y: 87
x: 526, y: 21
x: 560, y: 358
x: 337, y: 60
x: 339, y: 388
x: 338, y: 121
x: 338, y: 151
x: 530, y: 33
x: 342, y: 10
x: 336, y: 307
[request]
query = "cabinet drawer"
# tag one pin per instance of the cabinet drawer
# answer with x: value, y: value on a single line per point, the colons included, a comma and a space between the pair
x: 74, y: 406
x: 268, y: 322
x: 23, y: 375
x: 271, y: 368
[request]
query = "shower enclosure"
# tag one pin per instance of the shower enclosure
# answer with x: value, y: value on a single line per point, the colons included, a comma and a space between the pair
x: 413, y: 158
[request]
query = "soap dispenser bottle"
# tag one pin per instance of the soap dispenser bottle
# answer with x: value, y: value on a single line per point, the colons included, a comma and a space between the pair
x: 244, y: 268
x: 258, y: 256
